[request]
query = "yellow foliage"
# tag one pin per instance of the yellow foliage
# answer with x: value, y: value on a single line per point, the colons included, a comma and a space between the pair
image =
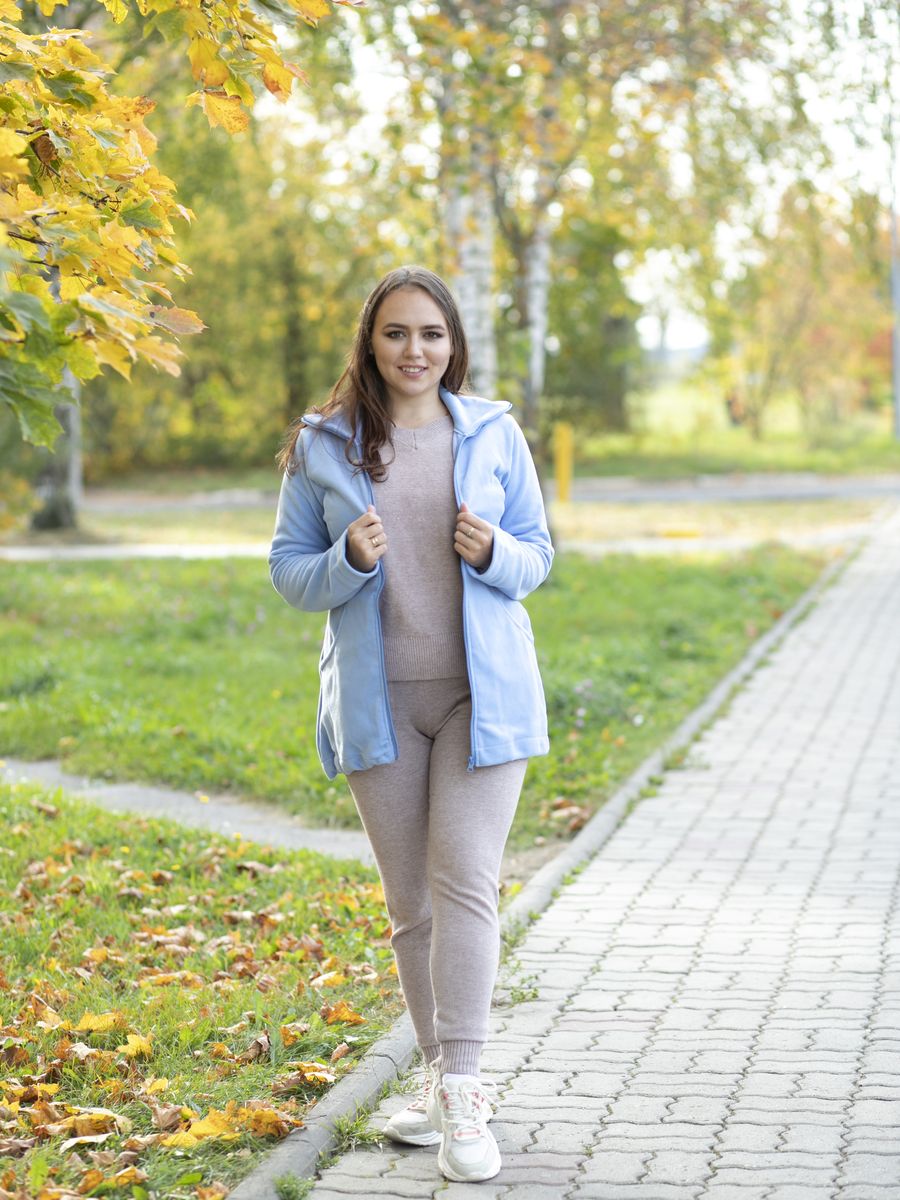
x: 102, y: 1022
x: 136, y: 1044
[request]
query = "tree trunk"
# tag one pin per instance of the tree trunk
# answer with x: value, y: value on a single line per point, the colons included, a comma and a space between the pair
x: 59, y: 484
x: 535, y: 269
x: 469, y: 227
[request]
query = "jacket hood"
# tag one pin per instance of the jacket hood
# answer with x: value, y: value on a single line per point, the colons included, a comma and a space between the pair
x: 469, y: 413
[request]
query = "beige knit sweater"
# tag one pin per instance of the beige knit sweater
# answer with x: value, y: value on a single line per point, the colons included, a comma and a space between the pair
x: 421, y: 604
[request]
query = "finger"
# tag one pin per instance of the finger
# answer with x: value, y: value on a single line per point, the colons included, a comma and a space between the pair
x: 368, y: 517
x: 468, y: 519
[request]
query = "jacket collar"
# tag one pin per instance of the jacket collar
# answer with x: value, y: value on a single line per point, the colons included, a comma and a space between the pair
x: 469, y: 413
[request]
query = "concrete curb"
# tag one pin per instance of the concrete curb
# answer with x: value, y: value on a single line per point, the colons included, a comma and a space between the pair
x: 298, y: 1154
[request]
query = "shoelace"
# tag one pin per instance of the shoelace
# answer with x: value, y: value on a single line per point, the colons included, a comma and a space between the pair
x: 421, y: 1101
x: 462, y: 1107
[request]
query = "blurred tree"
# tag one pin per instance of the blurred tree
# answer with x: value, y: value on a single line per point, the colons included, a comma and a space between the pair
x: 84, y: 213
x: 808, y: 319
x: 293, y: 224
x: 518, y: 93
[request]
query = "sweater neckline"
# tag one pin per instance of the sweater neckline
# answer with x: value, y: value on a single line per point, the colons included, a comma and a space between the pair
x: 414, y: 434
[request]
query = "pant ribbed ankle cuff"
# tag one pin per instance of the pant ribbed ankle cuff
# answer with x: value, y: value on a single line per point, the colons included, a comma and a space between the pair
x: 430, y: 1053
x: 460, y: 1058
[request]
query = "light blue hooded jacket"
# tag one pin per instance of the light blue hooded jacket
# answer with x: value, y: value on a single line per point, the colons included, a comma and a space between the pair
x: 495, y: 475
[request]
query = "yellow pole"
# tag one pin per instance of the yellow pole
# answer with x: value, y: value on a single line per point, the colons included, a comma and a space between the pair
x: 563, y: 452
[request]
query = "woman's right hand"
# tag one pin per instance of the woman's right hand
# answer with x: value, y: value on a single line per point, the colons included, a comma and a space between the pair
x: 365, y: 540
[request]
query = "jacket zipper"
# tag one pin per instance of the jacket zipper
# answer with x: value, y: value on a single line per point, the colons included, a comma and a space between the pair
x: 471, y: 763
x: 384, y: 686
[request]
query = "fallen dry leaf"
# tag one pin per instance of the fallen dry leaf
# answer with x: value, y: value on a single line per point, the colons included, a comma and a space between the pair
x: 341, y: 1011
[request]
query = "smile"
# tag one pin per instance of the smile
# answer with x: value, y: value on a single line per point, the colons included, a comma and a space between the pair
x: 412, y: 370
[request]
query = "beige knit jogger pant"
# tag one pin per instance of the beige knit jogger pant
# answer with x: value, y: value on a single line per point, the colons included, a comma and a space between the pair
x: 438, y: 831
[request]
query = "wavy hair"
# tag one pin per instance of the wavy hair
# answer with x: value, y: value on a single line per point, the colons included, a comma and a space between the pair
x: 360, y: 393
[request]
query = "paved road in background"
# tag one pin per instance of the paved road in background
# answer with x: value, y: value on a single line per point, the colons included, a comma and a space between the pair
x: 617, y: 489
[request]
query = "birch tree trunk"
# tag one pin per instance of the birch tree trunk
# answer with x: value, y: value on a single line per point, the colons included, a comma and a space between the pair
x: 535, y: 267
x: 60, y: 484
x: 469, y: 229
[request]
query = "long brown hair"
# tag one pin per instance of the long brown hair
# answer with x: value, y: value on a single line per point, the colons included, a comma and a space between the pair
x: 360, y: 391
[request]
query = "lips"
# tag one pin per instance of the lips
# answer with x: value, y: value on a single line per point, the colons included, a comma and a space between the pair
x: 412, y: 371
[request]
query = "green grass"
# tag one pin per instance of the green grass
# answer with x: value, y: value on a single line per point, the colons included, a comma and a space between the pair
x: 197, y: 674
x: 200, y: 944
x: 681, y: 429
x: 661, y: 457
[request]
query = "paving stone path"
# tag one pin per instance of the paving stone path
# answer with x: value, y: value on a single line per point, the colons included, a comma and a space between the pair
x: 716, y: 1013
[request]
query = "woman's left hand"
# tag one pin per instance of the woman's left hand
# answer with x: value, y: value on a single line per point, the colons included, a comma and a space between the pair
x: 474, y: 538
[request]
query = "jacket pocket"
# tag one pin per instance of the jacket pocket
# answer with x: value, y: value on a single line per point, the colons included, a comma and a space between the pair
x: 332, y: 632
x: 518, y: 614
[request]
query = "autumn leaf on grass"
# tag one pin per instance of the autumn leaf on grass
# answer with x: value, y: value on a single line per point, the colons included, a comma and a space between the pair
x: 341, y: 1011
x: 339, y: 1051
x: 136, y: 1044
x: 328, y: 979
x: 216, y: 1124
x: 94, y: 1177
x: 259, y: 1048
x: 165, y: 1116
x: 102, y: 1022
x: 293, y: 1032
x: 267, y: 1122
x: 307, y: 1072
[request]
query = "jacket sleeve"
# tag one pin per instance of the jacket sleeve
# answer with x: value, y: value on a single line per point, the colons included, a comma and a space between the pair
x: 306, y: 568
x: 522, y: 552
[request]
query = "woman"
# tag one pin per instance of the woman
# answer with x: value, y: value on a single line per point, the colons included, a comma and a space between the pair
x: 412, y: 513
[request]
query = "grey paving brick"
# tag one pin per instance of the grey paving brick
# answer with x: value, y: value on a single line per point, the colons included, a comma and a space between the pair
x: 859, y: 1167
x: 393, y: 1186
x: 679, y: 1166
x: 561, y: 1137
x: 633, y: 1191
x: 536, y: 1167
x: 615, y: 1166
x: 747, y: 1137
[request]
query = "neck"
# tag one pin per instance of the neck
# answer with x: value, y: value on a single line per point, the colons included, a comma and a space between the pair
x: 409, y: 414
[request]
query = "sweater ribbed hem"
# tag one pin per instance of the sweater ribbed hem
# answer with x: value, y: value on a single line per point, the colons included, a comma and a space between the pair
x: 461, y: 1058
x: 430, y: 1053
x: 436, y: 656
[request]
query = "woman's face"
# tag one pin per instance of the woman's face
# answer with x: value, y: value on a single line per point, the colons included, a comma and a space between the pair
x: 411, y: 344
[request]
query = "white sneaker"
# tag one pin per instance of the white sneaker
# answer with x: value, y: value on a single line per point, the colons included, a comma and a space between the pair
x: 411, y: 1124
x: 468, y: 1148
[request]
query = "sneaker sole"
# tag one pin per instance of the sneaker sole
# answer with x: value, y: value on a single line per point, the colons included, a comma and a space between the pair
x: 414, y: 1139
x: 448, y: 1172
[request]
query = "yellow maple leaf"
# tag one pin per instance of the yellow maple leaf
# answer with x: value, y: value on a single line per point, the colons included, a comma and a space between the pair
x: 12, y: 148
x: 220, y: 109
x: 341, y: 1012
x: 216, y: 1124
x: 112, y: 354
x: 314, y: 1072
x: 278, y: 79
x: 135, y: 1044
x: 101, y: 1022
x: 267, y: 1122
x: 9, y: 11
x: 311, y: 10
x: 206, y: 66
x: 164, y: 355
x: 184, y: 1139
x: 117, y: 10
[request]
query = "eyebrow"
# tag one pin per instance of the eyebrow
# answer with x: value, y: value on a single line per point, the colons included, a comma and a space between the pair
x: 398, y: 325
